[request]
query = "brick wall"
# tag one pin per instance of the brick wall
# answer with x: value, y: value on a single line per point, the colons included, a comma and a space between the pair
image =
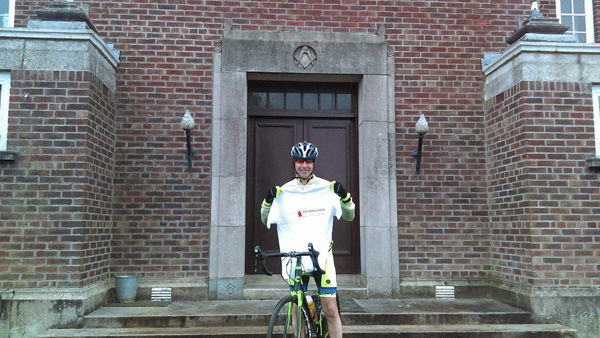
x: 442, y: 213
x: 55, y: 204
x: 543, y: 200
x: 161, y: 212
x: 161, y: 215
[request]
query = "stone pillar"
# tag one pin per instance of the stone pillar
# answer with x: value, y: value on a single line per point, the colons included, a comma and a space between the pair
x: 56, y: 205
x: 543, y: 194
x: 228, y: 225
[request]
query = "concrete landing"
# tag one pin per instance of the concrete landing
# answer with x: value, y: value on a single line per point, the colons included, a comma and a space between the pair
x: 374, y: 318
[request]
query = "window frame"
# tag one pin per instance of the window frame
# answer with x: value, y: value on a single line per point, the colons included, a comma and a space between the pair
x: 596, y: 102
x: 11, y: 14
x: 589, y: 18
x: 4, y: 101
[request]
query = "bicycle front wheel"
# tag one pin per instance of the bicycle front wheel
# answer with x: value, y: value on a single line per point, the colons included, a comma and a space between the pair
x: 284, y: 321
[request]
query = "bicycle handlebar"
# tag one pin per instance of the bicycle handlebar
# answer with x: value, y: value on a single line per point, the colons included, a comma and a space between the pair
x: 259, y: 254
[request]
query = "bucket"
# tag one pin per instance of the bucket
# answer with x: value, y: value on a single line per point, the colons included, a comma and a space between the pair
x: 126, y: 288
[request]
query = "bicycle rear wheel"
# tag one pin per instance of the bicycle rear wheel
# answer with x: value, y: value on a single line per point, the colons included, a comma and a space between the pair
x: 321, y: 324
x: 282, y: 323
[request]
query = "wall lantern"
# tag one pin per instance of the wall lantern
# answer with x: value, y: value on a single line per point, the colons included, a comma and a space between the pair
x: 187, y: 123
x: 421, y: 128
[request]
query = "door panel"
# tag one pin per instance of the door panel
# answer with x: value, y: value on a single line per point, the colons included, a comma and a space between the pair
x: 269, y: 144
x: 334, y: 138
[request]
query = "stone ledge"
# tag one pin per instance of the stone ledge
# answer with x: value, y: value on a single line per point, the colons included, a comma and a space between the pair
x: 8, y: 155
x: 592, y: 162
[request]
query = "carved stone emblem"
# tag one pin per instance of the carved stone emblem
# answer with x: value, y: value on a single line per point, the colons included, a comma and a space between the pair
x: 305, y: 57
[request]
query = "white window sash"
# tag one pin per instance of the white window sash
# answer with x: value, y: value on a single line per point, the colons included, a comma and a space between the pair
x: 589, y: 18
x: 596, y: 101
x: 11, y: 13
x: 5, y: 82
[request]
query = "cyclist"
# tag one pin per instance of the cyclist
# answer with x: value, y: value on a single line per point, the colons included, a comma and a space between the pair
x: 303, y: 210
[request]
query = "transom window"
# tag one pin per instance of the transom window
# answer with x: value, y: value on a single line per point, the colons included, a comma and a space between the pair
x: 4, y: 96
x: 577, y: 14
x: 7, y: 13
x: 301, y: 99
x: 596, y: 100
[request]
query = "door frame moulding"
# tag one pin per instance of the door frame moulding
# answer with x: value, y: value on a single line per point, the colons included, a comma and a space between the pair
x: 356, y: 57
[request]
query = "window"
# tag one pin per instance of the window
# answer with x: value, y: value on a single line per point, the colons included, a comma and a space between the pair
x: 287, y: 97
x: 596, y: 100
x: 7, y: 13
x: 4, y: 96
x: 577, y: 14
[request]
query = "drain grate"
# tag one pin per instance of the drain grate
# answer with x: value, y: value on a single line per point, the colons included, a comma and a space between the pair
x: 161, y: 295
x: 444, y: 292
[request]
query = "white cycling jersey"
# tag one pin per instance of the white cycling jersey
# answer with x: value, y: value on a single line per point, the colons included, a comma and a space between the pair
x: 304, y: 214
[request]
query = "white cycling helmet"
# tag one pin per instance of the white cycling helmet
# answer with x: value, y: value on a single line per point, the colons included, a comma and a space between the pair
x: 305, y: 150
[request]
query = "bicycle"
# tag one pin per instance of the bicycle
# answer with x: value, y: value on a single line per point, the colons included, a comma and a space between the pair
x: 292, y: 316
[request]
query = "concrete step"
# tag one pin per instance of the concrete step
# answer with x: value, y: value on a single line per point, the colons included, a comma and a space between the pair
x: 371, y: 331
x: 354, y: 312
x: 274, y: 287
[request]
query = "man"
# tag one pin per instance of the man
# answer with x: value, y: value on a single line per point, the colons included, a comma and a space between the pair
x: 303, y: 210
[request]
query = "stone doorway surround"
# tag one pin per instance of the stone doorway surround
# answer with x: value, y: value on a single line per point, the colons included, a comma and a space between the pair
x: 331, y: 57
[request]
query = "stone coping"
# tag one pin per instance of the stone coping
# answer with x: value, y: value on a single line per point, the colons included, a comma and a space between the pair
x: 539, y: 47
x: 525, y: 289
x: 298, y: 36
x: 106, y: 50
x: 57, y: 293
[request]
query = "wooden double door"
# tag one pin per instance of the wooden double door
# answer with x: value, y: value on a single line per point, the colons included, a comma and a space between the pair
x: 280, y: 115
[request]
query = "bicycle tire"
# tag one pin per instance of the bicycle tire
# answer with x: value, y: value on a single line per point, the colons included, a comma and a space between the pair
x: 278, y: 324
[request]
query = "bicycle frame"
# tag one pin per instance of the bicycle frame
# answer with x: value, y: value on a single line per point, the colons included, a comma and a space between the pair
x: 298, y: 292
x: 297, y: 284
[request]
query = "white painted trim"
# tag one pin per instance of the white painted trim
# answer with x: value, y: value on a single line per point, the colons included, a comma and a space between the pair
x: 11, y: 13
x: 4, y: 100
x: 596, y: 102
x: 589, y: 21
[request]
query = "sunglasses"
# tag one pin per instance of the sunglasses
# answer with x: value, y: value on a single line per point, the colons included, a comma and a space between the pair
x: 300, y: 161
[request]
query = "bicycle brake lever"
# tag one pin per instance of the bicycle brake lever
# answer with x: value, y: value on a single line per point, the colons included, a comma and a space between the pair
x: 314, y: 259
x: 269, y: 273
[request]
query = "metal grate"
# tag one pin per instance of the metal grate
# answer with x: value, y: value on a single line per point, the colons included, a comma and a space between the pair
x: 444, y: 292
x: 161, y: 295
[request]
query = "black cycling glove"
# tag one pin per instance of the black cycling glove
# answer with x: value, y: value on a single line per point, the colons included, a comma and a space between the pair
x: 339, y: 189
x: 271, y: 194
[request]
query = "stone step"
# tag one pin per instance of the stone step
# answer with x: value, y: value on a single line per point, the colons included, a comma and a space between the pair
x: 266, y: 293
x: 354, y: 312
x: 371, y: 331
x: 274, y: 287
